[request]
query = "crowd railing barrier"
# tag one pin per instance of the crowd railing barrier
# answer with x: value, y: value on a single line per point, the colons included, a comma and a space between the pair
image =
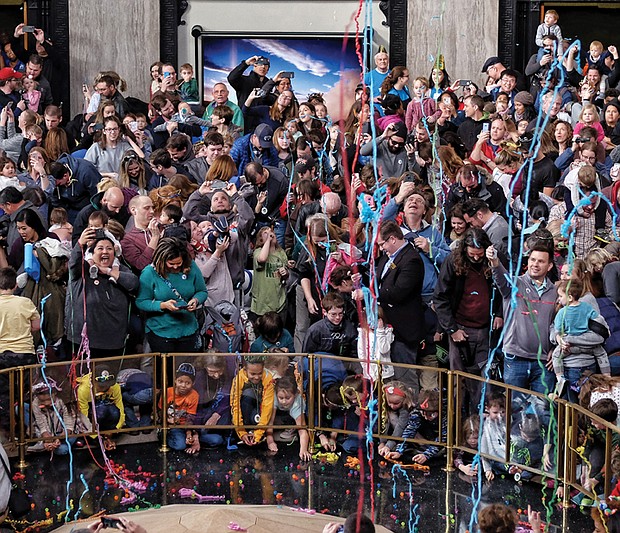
x: 564, y: 423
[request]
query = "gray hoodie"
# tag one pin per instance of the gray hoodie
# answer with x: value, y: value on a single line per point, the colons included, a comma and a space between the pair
x: 527, y: 327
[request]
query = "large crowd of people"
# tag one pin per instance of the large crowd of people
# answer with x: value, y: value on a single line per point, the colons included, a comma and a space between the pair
x: 437, y: 217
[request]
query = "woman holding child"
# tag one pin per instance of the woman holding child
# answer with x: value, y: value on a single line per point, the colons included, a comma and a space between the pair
x: 100, y: 290
x: 49, y: 275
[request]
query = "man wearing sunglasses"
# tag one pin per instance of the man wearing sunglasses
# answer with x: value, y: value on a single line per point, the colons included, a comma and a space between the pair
x: 394, y: 156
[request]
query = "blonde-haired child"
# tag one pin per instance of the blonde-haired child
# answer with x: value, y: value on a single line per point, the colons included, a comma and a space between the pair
x: 421, y: 105
x: 589, y: 117
x: 270, y: 272
x: 32, y: 96
x: 399, y: 402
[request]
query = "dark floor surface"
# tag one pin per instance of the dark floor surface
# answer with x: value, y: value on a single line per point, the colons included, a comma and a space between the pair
x: 403, y: 500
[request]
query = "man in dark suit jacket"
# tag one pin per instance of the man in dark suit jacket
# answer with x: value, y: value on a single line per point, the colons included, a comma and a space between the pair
x: 400, y: 273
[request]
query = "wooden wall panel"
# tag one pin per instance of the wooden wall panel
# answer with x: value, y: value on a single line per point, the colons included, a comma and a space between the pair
x: 120, y: 35
x: 466, y: 33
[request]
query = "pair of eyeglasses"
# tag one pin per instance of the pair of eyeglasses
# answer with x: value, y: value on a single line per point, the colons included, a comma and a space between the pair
x: 110, y: 130
x: 130, y: 157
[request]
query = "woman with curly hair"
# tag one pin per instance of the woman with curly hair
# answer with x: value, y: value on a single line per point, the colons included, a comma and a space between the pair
x: 562, y: 135
x: 396, y: 83
x: 171, y: 289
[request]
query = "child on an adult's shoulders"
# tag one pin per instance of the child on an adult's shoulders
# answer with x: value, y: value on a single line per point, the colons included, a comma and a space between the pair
x: 549, y: 26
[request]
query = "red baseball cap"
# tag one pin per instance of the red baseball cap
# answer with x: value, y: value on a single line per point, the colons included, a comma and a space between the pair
x: 7, y: 73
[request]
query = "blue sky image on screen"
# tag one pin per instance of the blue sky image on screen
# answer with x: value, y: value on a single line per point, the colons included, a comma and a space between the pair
x: 319, y: 65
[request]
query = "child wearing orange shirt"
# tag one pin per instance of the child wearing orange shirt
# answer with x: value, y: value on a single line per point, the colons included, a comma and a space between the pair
x: 182, y: 400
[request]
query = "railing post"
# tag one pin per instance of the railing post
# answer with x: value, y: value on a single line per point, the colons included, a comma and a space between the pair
x: 451, y: 424
x: 608, y: 449
x: 21, y: 445
x: 568, y: 431
x: 12, y: 435
x: 164, y: 404
x: 310, y: 399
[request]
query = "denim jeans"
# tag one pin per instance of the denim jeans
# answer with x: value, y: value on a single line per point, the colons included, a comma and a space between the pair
x: 573, y: 375
x: 108, y: 415
x: 528, y: 374
x: 211, y: 437
x: 143, y: 399
x: 176, y: 439
x: 280, y: 230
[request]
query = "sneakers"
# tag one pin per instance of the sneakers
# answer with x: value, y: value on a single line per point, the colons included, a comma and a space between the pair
x: 37, y: 447
x: 287, y: 435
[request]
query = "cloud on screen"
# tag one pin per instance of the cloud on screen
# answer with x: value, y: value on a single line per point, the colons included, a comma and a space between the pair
x: 301, y: 61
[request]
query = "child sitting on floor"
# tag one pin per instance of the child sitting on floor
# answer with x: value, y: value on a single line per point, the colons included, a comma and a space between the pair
x: 526, y: 446
x: 182, y: 404
x: 46, y: 424
x: 464, y: 461
x: 399, y: 402
x: 252, y: 399
x: 289, y: 409
x: 109, y: 410
x: 493, y: 441
x: 213, y: 386
x: 423, y: 424
x: 595, y: 444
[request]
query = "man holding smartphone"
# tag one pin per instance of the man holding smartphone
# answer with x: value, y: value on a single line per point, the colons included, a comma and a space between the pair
x: 9, y: 84
x: 244, y: 85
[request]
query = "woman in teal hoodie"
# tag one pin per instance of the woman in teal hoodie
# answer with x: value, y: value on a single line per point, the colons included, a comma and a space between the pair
x: 171, y: 289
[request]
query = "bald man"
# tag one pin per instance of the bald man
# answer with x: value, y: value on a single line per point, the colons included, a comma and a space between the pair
x: 111, y: 202
x: 140, y: 242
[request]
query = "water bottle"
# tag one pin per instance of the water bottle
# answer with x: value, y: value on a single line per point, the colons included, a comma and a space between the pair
x: 32, y: 267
